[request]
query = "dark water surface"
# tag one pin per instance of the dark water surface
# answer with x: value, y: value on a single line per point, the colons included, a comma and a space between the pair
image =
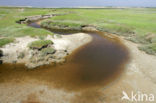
x: 95, y: 64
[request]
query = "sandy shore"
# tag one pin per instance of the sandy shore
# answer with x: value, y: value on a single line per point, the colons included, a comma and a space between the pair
x: 63, y: 45
x: 139, y: 76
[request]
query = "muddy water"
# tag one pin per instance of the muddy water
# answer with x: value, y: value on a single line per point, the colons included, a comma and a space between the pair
x: 93, y: 65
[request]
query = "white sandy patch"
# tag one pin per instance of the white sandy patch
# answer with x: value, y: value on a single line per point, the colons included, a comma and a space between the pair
x: 70, y: 42
x: 66, y: 42
x: 10, y: 51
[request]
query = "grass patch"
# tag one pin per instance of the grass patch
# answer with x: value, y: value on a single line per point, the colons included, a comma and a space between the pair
x: 5, y: 41
x: 117, y: 29
x: 140, y: 21
x: 9, y: 27
x: 150, y: 48
x: 61, y: 25
x: 39, y: 44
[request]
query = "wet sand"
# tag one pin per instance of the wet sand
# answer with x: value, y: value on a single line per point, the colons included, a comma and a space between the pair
x: 90, y: 67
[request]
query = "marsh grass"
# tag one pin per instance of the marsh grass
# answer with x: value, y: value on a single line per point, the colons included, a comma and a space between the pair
x: 39, y: 44
x: 5, y: 41
x: 126, y: 22
x: 149, y: 48
x: 61, y: 25
x: 133, y: 23
x: 9, y: 27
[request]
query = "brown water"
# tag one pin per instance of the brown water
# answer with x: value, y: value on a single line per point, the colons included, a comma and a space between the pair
x: 93, y: 65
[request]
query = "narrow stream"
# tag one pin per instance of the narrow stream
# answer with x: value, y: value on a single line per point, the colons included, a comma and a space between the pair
x: 95, y: 64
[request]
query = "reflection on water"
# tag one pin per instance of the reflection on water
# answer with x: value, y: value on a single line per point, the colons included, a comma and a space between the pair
x: 95, y: 64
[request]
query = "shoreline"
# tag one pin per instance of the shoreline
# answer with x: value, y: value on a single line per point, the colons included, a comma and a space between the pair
x: 63, y: 45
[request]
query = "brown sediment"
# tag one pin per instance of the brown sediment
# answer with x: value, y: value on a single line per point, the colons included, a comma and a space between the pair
x: 32, y: 98
x: 95, y: 64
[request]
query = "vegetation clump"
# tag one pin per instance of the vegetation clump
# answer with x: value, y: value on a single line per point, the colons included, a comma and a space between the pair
x: 9, y: 27
x: 150, y: 48
x: 39, y: 44
x: 5, y: 41
x: 61, y: 25
x: 46, y: 51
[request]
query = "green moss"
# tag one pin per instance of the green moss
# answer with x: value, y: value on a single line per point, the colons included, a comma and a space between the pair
x: 40, y: 44
x: 5, y: 41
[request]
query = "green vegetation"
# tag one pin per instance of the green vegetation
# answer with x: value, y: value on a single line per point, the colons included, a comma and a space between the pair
x: 9, y: 27
x: 48, y: 50
x: 61, y: 25
x: 133, y: 23
x: 149, y: 48
x: 140, y: 21
x: 5, y: 41
x: 39, y: 44
x: 9, y: 16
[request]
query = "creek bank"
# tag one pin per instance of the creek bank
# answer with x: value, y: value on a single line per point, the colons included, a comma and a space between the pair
x: 48, y: 24
x: 19, y: 51
x: 54, y: 53
x: 30, y: 19
x: 147, y: 42
x: 53, y: 25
